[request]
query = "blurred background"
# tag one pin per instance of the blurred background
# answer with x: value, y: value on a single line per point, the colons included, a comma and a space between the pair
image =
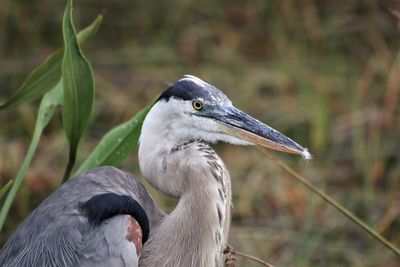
x: 325, y: 73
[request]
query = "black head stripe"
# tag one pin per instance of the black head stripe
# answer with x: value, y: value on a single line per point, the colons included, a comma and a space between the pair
x: 178, y: 91
x: 102, y: 207
x: 187, y: 89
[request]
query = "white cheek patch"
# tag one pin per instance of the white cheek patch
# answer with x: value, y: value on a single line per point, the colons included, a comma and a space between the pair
x: 171, y: 110
x: 176, y: 118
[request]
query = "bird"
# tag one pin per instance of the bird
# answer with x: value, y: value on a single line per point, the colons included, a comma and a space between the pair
x: 106, y: 217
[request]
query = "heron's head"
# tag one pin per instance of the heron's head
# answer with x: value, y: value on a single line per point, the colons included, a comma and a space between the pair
x: 194, y: 109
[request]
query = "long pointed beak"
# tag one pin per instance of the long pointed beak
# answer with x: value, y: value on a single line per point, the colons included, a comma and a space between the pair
x: 234, y: 122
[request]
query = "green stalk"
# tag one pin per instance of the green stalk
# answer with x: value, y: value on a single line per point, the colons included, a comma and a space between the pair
x: 47, y: 107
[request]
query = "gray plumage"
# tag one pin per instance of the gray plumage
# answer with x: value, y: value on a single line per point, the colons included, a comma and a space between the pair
x: 175, y: 158
x: 57, y: 234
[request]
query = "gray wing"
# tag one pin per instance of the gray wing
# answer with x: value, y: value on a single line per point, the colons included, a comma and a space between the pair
x: 57, y: 233
x: 109, y: 245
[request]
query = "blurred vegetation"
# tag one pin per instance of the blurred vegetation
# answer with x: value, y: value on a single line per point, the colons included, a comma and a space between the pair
x: 326, y: 73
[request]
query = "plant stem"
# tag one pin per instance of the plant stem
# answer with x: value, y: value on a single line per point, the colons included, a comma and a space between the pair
x: 70, y: 165
x: 251, y: 257
x: 5, y: 188
x: 20, y: 176
x: 331, y: 201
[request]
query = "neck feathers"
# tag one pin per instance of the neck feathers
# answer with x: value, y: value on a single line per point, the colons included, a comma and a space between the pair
x: 196, y: 231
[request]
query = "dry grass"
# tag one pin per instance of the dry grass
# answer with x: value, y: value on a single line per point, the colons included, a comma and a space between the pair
x: 325, y: 73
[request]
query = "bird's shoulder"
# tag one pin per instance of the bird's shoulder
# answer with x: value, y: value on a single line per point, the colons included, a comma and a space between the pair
x: 59, y: 228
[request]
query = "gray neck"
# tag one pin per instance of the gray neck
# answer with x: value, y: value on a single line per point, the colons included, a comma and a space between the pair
x: 196, y: 231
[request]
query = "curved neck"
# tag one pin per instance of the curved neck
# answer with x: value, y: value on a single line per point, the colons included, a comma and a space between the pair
x: 191, y: 235
x: 196, y: 231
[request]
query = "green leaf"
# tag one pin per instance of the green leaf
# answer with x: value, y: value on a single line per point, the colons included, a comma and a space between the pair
x: 49, y: 102
x: 78, y: 89
x: 88, y: 32
x: 46, y: 75
x: 38, y: 82
x: 117, y: 144
x: 46, y: 79
x: 5, y: 188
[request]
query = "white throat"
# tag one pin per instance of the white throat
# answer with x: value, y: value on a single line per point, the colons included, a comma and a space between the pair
x: 186, y: 168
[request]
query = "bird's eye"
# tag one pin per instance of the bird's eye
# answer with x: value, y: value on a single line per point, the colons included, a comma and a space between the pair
x: 197, y: 105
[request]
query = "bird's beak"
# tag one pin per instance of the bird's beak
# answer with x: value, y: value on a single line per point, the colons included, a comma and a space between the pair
x: 234, y: 122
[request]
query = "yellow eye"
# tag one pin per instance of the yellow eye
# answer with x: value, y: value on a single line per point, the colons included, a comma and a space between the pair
x: 197, y: 105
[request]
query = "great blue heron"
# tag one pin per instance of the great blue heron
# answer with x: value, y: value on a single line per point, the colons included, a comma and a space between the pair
x: 102, y: 217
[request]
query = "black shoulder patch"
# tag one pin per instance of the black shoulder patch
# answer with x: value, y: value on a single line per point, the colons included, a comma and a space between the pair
x: 104, y: 206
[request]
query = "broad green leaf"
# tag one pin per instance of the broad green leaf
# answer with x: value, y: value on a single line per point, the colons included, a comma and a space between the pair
x: 46, y: 79
x: 46, y: 75
x: 49, y: 102
x: 5, y: 188
x: 38, y: 82
x: 117, y: 144
x: 78, y: 89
